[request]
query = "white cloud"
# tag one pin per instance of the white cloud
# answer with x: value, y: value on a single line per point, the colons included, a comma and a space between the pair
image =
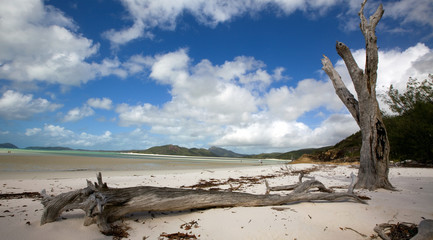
x: 147, y: 15
x: 87, y: 109
x: 76, y: 114
x: 411, y: 11
x: 204, y: 92
x: 234, y: 105
x: 88, y: 140
x: 39, y: 43
x: 395, y: 67
x: 291, y: 103
x: 400, y: 16
x: 54, y: 135
x: 15, y: 105
x: 56, y: 132
x: 32, y: 131
x: 280, y: 135
x: 104, y: 103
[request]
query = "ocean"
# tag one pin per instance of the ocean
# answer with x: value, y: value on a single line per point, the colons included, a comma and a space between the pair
x: 23, y: 160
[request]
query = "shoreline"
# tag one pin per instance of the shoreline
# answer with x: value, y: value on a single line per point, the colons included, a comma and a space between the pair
x: 19, y: 218
x: 23, y: 164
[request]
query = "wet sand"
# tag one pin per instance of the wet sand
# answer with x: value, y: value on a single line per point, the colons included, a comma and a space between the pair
x: 19, y: 165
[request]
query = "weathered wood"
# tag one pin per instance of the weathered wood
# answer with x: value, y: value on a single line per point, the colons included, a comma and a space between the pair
x: 340, y: 88
x: 374, y: 155
x: 300, y: 187
x: 104, y: 205
x: 425, y: 230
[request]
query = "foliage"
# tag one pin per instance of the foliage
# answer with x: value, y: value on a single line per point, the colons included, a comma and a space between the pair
x: 411, y: 132
x: 416, y: 92
x: 176, y: 150
x: 347, y: 150
x: 221, y: 152
x: 298, y: 153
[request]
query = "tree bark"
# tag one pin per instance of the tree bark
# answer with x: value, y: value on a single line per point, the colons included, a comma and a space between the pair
x: 104, y: 205
x: 374, y: 159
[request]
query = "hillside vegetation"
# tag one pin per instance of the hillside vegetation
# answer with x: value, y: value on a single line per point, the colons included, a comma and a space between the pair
x: 7, y: 145
x: 410, y: 128
x: 176, y: 150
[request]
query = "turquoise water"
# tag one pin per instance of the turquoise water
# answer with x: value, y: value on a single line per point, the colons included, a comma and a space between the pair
x: 23, y: 160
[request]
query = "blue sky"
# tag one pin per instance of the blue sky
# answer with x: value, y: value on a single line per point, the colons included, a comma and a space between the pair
x: 242, y: 75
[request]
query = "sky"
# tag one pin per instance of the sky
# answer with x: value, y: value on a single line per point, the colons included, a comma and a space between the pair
x: 244, y: 75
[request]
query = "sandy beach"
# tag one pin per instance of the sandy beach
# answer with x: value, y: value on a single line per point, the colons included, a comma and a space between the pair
x: 20, y: 218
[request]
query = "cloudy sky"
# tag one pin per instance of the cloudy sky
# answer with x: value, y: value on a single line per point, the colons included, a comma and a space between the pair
x: 244, y: 75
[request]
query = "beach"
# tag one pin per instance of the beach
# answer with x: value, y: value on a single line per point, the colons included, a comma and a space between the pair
x: 33, y: 163
x: 20, y: 218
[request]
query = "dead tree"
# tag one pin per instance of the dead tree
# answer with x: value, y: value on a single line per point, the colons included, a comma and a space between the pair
x: 373, y: 171
x: 103, y: 205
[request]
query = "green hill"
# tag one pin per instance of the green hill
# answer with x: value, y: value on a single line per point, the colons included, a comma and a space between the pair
x: 8, y: 145
x: 346, y: 150
x: 48, y: 148
x: 176, y: 150
x: 221, y: 152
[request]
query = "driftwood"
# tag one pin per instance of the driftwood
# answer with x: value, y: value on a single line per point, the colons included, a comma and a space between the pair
x: 103, y: 205
x: 404, y: 230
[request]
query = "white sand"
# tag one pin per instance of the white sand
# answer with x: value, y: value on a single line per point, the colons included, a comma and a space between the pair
x: 322, y: 220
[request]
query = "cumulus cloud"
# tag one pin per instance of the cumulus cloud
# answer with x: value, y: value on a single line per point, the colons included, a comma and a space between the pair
x: 280, y: 135
x: 87, y: 109
x: 104, y: 103
x: 209, y: 93
x: 39, y: 43
x: 291, y: 103
x: 234, y: 104
x: 147, y: 15
x: 76, y: 114
x: 415, y: 62
x: 411, y: 11
x: 17, y: 106
x: 32, y: 131
x: 400, y: 16
x: 54, y: 135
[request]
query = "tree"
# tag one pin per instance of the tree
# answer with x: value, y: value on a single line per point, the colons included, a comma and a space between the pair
x: 411, y: 132
x: 374, y: 154
x: 416, y: 92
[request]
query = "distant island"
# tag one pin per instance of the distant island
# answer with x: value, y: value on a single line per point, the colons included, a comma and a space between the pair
x: 8, y: 145
x: 345, y: 151
x: 177, y: 150
x: 49, y: 148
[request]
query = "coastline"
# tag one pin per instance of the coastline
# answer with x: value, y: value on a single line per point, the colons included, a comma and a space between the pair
x: 27, y: 164
x: 307, y: 220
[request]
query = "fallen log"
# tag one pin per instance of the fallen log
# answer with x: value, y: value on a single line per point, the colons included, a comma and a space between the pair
x: 103, y: 205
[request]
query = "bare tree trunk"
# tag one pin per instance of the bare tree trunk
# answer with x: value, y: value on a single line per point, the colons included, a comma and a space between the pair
x: 373, y: 171
x: 104, y: 205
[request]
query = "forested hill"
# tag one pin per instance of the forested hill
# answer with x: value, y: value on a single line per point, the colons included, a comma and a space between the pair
x: 7, y: 145
x: 346, y: 150
x: 48, y: 148
x: 176, y: 150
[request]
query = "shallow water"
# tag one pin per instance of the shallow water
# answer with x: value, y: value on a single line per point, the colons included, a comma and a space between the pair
x: 21, y: 160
